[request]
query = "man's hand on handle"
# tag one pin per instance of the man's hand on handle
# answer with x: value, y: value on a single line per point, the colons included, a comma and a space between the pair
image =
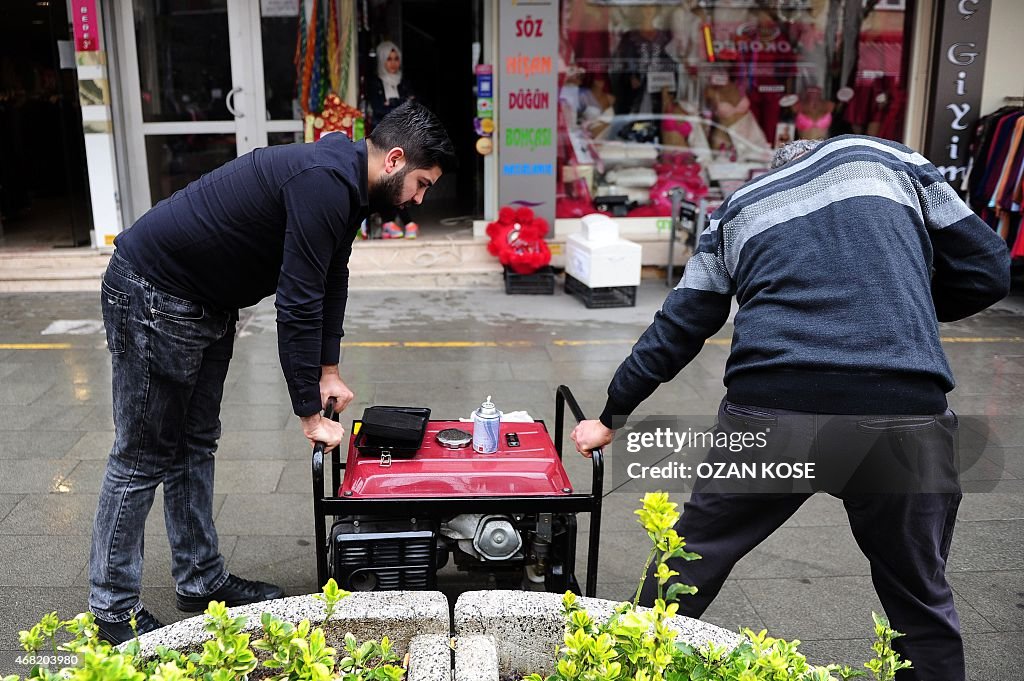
x: 318, y: 429
x: 331, y: 385
x: 591, y: 435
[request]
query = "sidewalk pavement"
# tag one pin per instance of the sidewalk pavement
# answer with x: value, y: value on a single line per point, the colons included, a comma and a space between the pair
x: 808, y: 581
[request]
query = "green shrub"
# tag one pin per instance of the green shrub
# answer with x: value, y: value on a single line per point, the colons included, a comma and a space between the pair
x: 295, y: 652
x: 638, y: 645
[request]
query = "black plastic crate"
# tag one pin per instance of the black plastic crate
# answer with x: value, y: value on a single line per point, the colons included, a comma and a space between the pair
x: 608, y: 296
x: 541, y: 282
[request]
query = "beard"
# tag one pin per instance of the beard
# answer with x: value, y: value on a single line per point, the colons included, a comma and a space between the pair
x: 386, y: 195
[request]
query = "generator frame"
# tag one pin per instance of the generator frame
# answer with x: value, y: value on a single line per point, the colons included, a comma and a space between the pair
x: 325, y: 505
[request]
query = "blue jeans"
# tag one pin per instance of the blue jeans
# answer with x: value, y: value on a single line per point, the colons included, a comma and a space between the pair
x: 169, y: 357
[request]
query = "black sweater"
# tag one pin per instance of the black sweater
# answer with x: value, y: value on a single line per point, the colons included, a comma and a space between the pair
x: 277, y: 220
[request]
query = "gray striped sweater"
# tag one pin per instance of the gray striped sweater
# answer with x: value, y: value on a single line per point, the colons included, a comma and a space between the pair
x: 843, y: 262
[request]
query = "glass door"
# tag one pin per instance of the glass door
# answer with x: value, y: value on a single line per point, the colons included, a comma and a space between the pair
x: 205, y: 81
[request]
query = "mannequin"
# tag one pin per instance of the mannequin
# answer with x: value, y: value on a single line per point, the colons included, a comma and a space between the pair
x: 731, y: 108
x: 813, y: 115
x: 641, y: 51
x: 687, y: 49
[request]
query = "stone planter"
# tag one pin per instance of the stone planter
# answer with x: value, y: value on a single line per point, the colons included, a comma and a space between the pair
x: 416, y: 621
x: 499, y: 634
x: 514, y: 633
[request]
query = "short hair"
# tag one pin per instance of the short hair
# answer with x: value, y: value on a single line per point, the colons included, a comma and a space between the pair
x: 793, y: 150
x: 414, y: 129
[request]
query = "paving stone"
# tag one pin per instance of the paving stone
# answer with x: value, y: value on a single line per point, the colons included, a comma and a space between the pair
x: 255, y: 515
x: 821, y: 510
x: 804, y: 552
x: 33, y: 445
x: 100, y: 417
x: 434, y: 372
x: 732, y: 610
x: 85, y: 476
x: 247, y: 394
x: 297, y: 478
x: 7, y: 368
x: 33, y: 475
x: 8, y: 502
x: 829, y: 607
x: 460, y: 399
x: 254, y: 418
x: 569, y: 371
x: 38, y: 560
x: 247, y: 477
x: 991, y: 506
x: 261, y: 445
x: 12, y: 393
x: 987, y: 545
x: 93, y: 445
x: 51, y: 514
x: 998, y: 596
x: 994, y: 656
x: 288, y: 561
x: 82, y: 394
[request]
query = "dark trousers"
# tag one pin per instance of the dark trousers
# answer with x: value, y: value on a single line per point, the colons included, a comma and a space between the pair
x: 904, y: 535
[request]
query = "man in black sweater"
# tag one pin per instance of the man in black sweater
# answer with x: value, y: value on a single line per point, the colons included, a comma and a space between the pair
x: 279, y: 220
x: 843, y: 260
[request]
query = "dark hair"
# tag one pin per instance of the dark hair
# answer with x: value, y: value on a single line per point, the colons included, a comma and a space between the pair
x: 414, y: 129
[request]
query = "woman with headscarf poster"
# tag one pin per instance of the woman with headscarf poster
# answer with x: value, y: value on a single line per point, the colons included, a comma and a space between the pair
x: 387, y: 91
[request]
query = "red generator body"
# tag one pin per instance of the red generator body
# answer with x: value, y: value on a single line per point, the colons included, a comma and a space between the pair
x: 396, y: 518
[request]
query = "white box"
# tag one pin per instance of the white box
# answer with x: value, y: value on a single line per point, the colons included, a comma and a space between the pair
x: 599, y: 227
x: 598, y: 264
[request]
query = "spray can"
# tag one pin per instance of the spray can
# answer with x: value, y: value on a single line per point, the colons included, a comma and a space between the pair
x: 486, y: 428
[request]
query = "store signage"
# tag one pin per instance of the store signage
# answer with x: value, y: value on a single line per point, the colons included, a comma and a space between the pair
x: 279, y: 8
x: 86, y: 25
x: 956, y: 87
x: 527, y: 105
x: 484, y: 81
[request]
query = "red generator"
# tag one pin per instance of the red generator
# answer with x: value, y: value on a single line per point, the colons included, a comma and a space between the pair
x: 398, y: 517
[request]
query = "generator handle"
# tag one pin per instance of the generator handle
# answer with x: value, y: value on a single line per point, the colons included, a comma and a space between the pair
x: 564, y: 396
x: 319, y: 523
x: 320, y: 448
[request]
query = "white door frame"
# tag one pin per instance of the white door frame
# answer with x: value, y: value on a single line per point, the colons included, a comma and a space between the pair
x: 250, y: 125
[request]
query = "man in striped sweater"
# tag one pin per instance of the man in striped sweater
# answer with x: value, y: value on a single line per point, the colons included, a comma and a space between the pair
x: 843, y: 261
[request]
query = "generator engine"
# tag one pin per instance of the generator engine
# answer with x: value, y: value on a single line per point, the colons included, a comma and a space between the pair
x: 533, y: 551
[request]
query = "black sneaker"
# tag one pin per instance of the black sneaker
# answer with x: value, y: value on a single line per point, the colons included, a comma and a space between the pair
x: 235, y: 591
x: 119, y: 632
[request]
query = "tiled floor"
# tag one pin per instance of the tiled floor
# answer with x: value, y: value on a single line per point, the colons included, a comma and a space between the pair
x: 808, y: 581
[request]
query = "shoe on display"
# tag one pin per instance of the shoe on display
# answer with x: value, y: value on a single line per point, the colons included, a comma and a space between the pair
x: 390, y: 230
x: 235, y: 591
x: 119, y: 632
x: 412, y: 230
x: 364, y: 233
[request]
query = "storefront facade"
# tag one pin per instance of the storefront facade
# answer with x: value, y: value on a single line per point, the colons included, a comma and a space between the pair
x: 638, y: 98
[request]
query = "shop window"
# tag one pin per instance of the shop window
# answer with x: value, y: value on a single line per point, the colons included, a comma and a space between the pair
x: 694, y: 95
